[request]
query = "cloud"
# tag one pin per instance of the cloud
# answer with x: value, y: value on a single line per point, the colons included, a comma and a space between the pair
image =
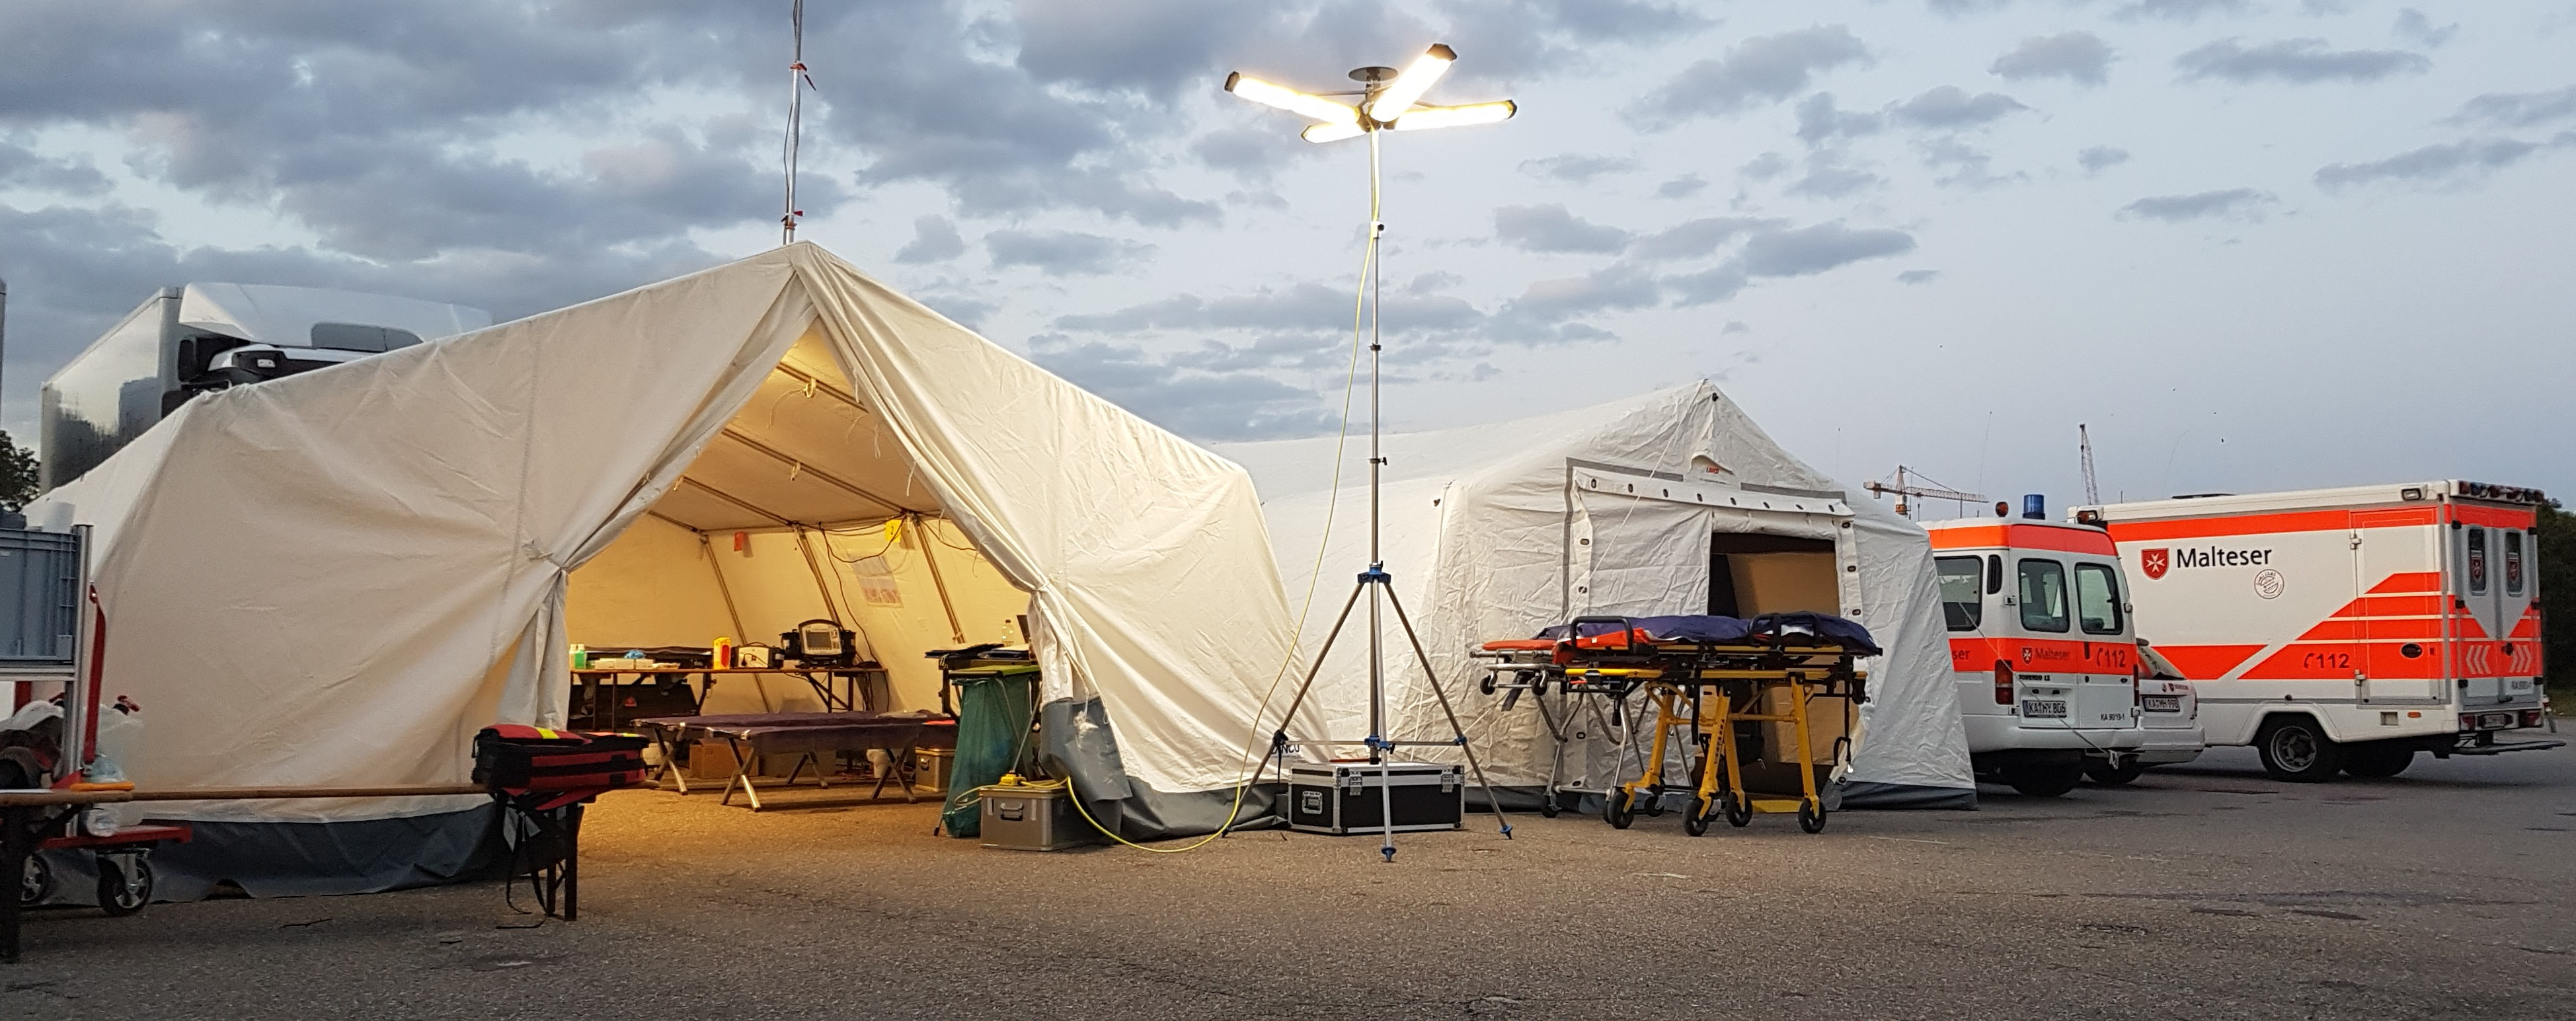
x: 25, y: 168
x: 2520, y: 109
x: 1517, y: 39
x: 2178, y: 10
x: 1819, y: 122
x: 2325, y: 8
x: 1681, y: 187
x: 1539, y: 314
x: 1251, y: 154
x: 1151, y: 47
x: 1575, y: 169
x: 2233, y: 203
x: 1949, y: 107
x: 1205, y: 405
x: 1918, y: 276
x: 2295, y: 60
x: 2096, y: 159
x: 1962, y: 165
x: 1762, y: 69
x: 934, y: 239
x: 1707, y: 286
x: 1766, y: 166
x: 1828, y: 176
x: 1064, y: 252
x: 2080, y: 57
x: 1809, y: 250
x: 1549, y: 228
x: 1301, y: 308
x: 1697, y: 238
x: 1734, y: 326
x: 2449, y: 163
x: 2413, y: 25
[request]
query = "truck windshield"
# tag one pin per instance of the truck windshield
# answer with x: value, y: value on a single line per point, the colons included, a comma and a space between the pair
x: 2043, y: 595
x: 2097, y: 598
x: 1962, y: 591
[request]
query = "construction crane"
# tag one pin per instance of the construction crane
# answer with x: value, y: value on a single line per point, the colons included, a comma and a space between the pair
x: 1904, y: 489
x: 2084, y: 445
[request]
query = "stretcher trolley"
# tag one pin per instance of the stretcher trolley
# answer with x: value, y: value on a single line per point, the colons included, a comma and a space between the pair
x: 1736, y: 698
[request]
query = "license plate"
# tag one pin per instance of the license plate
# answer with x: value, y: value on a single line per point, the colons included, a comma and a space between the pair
x: 2161, y: 703
x: 2043, y: 709
x: 2495, y: 721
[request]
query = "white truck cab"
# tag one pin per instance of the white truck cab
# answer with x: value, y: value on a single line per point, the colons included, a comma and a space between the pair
x: 2042, y: 649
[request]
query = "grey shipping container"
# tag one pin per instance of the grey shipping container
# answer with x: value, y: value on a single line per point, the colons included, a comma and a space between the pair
x: 40, y: 597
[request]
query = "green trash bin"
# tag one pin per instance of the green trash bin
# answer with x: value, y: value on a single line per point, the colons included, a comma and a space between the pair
x: 996, y: 709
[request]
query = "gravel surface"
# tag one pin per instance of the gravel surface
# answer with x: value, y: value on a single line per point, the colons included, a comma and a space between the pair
x: 2205, y: 891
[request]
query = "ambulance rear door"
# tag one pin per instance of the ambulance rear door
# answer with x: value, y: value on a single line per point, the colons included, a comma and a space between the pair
x: 2492, y: 584
x: 2397, y: 615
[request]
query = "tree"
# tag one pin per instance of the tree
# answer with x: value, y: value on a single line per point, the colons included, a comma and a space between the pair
x: 17, y: 474
x: 2557, y: 551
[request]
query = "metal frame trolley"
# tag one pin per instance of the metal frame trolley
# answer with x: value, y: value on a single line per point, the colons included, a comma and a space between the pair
x: 1703, y: 694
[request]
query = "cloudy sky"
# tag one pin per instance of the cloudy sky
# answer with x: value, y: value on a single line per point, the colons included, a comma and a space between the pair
x: 2252, y: 243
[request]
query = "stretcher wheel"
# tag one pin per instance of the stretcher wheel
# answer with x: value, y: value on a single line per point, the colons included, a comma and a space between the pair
x: 1547, y: 805
x: 1486, y: 685
x: 124, y: 883
x: 1618, y: 808
x: 1739, y: 809
x: 1811, y: 817
x: 1701, y: 812
x: 1654, y: 804
x: 36, y: 883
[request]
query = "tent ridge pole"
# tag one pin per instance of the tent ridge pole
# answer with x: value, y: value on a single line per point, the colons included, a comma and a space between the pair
x: 738, y: 501
x: 783, y: 457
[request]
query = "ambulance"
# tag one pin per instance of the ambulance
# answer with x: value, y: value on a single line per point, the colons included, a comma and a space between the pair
x: 2042, y: 648
x: 2345, y: 630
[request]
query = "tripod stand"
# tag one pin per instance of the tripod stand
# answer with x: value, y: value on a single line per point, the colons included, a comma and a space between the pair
x: 1375, y: 582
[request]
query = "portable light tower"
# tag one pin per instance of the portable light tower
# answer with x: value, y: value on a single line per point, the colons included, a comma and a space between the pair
x: 1388, y: 100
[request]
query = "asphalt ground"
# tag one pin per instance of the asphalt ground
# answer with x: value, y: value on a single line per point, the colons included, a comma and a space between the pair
x: 2205, y: 891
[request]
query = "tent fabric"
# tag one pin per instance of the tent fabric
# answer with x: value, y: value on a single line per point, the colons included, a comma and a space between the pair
x: 1487, y: 536
x: 338, y: 577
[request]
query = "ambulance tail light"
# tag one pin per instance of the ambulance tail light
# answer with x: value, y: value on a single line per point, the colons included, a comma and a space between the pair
x: 2532, y: 718
x: 2468, y: 722
x: 2003, y: 683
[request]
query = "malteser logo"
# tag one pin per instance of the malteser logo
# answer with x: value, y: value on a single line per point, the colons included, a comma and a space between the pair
x: 2155, y: 562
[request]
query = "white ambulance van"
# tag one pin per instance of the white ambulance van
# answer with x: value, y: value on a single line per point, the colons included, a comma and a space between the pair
x: 2345, y: 629
x: 2041, y: 647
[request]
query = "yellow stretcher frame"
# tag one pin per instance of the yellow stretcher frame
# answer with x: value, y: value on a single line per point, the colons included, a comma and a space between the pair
x: 1722, y: 763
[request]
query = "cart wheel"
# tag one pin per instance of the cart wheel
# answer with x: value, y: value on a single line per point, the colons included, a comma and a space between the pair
x: 37, y: 883
x: 1739, y: 809
x: 1618, y: 808
x: 1811, y: 817
x: 1655, y: 803
x: 1701, y: 811
x: 124, y: 884
x: 1486, y: 685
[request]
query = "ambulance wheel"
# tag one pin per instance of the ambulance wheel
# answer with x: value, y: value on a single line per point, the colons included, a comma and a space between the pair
x: 2109, y: 775
x: 36, y: 883
x: 2374, y: 762
x: 1811, y: 817
x: 2296, y: 750
x: 2043, y: 781
x: 1618, y: 808
x: 1739, y: 809
x: 124, y: 884
x: 1701, y: 812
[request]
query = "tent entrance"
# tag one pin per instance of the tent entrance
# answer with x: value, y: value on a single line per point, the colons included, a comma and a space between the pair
x: 802, y: 507
x: 1754, y: 574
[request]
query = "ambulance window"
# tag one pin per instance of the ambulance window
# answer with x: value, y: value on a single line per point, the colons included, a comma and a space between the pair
x: 2512, y: 562
x: 2097, y: 599
x: 1963, y: 602
x: 1994, y: 573
x: 2477, y: 561
x: 2043, y: 595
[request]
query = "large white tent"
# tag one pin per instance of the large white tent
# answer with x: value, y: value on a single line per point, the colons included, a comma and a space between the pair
x: 337, y: 578
x: 1498, y: 530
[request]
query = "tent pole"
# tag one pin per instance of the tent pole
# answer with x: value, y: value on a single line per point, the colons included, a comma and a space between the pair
x: 708, y: 550
x: 955, y: 633
x: 821, y: 584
